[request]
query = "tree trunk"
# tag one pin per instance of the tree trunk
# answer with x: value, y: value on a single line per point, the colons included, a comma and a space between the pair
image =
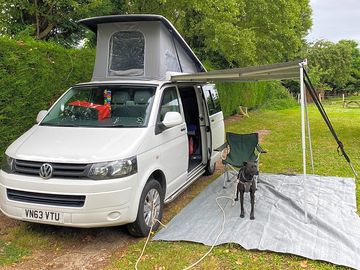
x: 45, y: 32
x: 37, y: 18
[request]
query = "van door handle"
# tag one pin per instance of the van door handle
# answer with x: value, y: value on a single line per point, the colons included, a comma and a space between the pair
x: 212, y: 120
x: 183, y: 129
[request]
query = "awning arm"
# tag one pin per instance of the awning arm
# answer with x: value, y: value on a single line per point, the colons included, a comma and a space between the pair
x: 279, y: 71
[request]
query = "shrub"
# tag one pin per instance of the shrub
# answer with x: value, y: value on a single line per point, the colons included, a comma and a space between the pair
x: 33, y: 75
x: 254, y: 95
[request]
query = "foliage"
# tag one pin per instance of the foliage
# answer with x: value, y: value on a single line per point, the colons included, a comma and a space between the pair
x: 52, y: 20
x: 227, y: 33
x: 224, y: 34
x: 32, y: 76
x: 236, y: 32
x: 354, y: 84
x: 317, y: 75
x: 253, y: 95
x: 332, y: 65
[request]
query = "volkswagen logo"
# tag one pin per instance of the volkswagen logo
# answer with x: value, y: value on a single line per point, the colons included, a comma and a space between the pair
x: 46, y: 171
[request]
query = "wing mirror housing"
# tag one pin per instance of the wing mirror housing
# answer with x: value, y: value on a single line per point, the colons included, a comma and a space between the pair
x: 171, y: 119
x: 41, y: 116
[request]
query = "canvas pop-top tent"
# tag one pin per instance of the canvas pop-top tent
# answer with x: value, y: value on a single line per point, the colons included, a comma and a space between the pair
x: 139, y: 47
x: 148, y: 47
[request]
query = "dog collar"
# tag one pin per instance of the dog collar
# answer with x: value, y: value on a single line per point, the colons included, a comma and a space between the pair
x: 247, y: 185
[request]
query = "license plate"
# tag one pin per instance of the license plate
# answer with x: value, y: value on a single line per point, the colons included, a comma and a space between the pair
x: 41, y: 215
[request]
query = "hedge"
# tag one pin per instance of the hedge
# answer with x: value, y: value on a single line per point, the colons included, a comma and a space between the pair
x: 254, y: 95
x: 33, y: 75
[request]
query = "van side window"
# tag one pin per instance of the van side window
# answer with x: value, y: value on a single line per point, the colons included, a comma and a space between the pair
x: 212, y: 99
x: 127, y: 54
x: 169, y: 102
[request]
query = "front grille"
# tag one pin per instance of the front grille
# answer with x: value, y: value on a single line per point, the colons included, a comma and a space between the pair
x: 46, y: 199
x: 60, y: 169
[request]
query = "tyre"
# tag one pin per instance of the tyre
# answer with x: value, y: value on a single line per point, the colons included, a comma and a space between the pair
x: 209, y: 170
x: 151, y: 205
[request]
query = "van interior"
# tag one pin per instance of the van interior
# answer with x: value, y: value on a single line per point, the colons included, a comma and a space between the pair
x: 191, y: 112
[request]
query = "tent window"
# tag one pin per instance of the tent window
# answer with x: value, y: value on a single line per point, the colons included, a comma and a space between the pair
x: 171, y: 62
x: 127, y: 54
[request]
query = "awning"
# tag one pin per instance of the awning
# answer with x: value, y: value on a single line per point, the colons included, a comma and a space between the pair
x: 280, y: 71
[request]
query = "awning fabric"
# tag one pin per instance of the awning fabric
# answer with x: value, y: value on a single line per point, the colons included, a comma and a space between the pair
x: 280, y: 71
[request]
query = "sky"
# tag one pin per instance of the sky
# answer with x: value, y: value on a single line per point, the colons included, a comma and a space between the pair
x: 335, y: 20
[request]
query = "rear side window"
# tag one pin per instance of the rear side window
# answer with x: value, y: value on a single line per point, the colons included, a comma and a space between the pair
x: 212, y: 98
x: 127, y: 51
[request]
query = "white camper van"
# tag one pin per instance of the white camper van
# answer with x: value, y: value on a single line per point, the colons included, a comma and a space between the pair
x: 112, y: 151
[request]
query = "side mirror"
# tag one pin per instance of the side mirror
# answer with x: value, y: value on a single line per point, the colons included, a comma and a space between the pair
x: 41, y: 116
x: 172, y: 119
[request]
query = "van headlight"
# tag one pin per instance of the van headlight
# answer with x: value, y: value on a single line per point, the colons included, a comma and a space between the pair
x: 7, y: 164
x: 113, y: 169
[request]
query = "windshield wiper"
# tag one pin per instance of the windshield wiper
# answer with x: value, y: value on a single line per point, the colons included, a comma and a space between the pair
x: 92, y: 126
x: 60, y: 125
x: 126, y: 126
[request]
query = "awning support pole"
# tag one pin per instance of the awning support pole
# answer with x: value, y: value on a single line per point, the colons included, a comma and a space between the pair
x: 309, y: 137
x: 303, y: 136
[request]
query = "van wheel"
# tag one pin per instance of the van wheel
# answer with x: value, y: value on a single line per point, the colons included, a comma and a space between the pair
x: 151, y: 205
x: 209, y: 170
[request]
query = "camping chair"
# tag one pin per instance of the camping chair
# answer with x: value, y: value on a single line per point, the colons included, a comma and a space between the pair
x: 237, y: 149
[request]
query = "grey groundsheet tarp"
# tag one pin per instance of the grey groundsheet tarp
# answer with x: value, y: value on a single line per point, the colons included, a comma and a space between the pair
x: 332, y: 232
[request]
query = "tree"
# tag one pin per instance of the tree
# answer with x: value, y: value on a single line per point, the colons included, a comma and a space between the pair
x: 229, y: 33
x: 354, y: 83
x: 331, y: 63
x: 51, y: 19
x: 236, y: 33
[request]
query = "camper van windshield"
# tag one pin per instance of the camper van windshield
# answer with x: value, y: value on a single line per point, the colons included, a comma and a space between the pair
x: 102, y: 106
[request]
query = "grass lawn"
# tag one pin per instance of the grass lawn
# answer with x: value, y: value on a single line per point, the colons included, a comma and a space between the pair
x: 18, y: 242
x: 282, y: 138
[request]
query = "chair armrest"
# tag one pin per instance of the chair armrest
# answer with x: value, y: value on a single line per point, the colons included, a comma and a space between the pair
x: 222, y: 147
x: 260, y: 150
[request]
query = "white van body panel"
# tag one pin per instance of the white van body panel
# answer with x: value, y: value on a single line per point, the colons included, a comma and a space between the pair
x: 174, y: 156
x: 218, y: 135
x: 11, y: 150
x: 87, y: 162
x: 113, y: 201
x: 108, y: 203
x: 79, y: 144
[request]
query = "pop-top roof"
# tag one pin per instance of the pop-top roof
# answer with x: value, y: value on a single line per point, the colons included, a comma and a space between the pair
x: 139, y: 47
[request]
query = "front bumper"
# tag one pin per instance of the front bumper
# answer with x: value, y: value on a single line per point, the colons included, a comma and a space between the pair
x: 107, y: 202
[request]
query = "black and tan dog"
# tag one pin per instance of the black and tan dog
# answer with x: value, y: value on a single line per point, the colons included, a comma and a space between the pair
x: 247, y: 184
